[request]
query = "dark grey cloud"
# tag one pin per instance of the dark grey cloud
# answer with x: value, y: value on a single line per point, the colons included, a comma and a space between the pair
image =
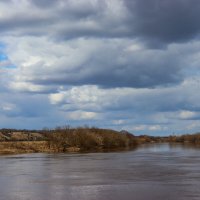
x: 160, y: 21
x: 44, y: 3
x: 20, y: 25
x: 154, y: 22
x: 108, y: 67
x: 125, y: 76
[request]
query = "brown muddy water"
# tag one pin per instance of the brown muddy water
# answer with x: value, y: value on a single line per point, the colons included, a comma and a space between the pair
x: 152, y: 172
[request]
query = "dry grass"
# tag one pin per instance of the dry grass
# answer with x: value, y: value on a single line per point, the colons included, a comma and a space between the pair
x: 189, y: 138
x: 23, y: 147
x: 89, y: 139
x: 66, y: 140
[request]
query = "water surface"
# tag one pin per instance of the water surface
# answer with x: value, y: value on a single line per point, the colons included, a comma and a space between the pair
x: 149, y: 173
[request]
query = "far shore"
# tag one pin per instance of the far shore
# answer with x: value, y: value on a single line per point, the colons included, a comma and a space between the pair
x: 82, y: 139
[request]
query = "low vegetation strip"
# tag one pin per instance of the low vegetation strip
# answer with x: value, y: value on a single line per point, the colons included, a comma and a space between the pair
x: 188, y: 138
x: 17, y: 147
x: 80, y: 139
x: 89, y: 139
x: 65, y: 140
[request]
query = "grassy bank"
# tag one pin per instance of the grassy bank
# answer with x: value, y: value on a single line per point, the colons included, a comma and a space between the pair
x: 65, y: 140
x: 82, y: 139
x: 188, y: 138
x: 17, y: 147
x: 89, y: 139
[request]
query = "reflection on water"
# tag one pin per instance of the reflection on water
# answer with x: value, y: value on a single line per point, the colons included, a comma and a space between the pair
x: 152, y: 172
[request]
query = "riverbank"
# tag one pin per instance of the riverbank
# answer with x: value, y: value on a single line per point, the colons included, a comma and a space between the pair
x: 82, y: 139
x: 65, y: 140
x: 23, y: 147
x: 19, y: 147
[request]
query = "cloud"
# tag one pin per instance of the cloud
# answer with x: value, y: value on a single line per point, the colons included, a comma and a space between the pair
x: 63, y: 19
x: 187, y: 114
x: 44, y: 3
x: 183, y: 98
x: 82, y: 115
x: 154, y: 110
x: 118, y: 64
x: 106, y: 63
x: 163, y: 22
x: 86, y: 58
x: 155, y: 23
x: 24, y: 105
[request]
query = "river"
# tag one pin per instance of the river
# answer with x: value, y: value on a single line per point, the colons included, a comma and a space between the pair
x: 151, y: 172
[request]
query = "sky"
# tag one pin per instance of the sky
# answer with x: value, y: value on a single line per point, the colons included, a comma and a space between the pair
x: 120, y: 64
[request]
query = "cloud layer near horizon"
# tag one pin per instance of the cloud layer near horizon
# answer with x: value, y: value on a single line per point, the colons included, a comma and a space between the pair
x: 122, y: 64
